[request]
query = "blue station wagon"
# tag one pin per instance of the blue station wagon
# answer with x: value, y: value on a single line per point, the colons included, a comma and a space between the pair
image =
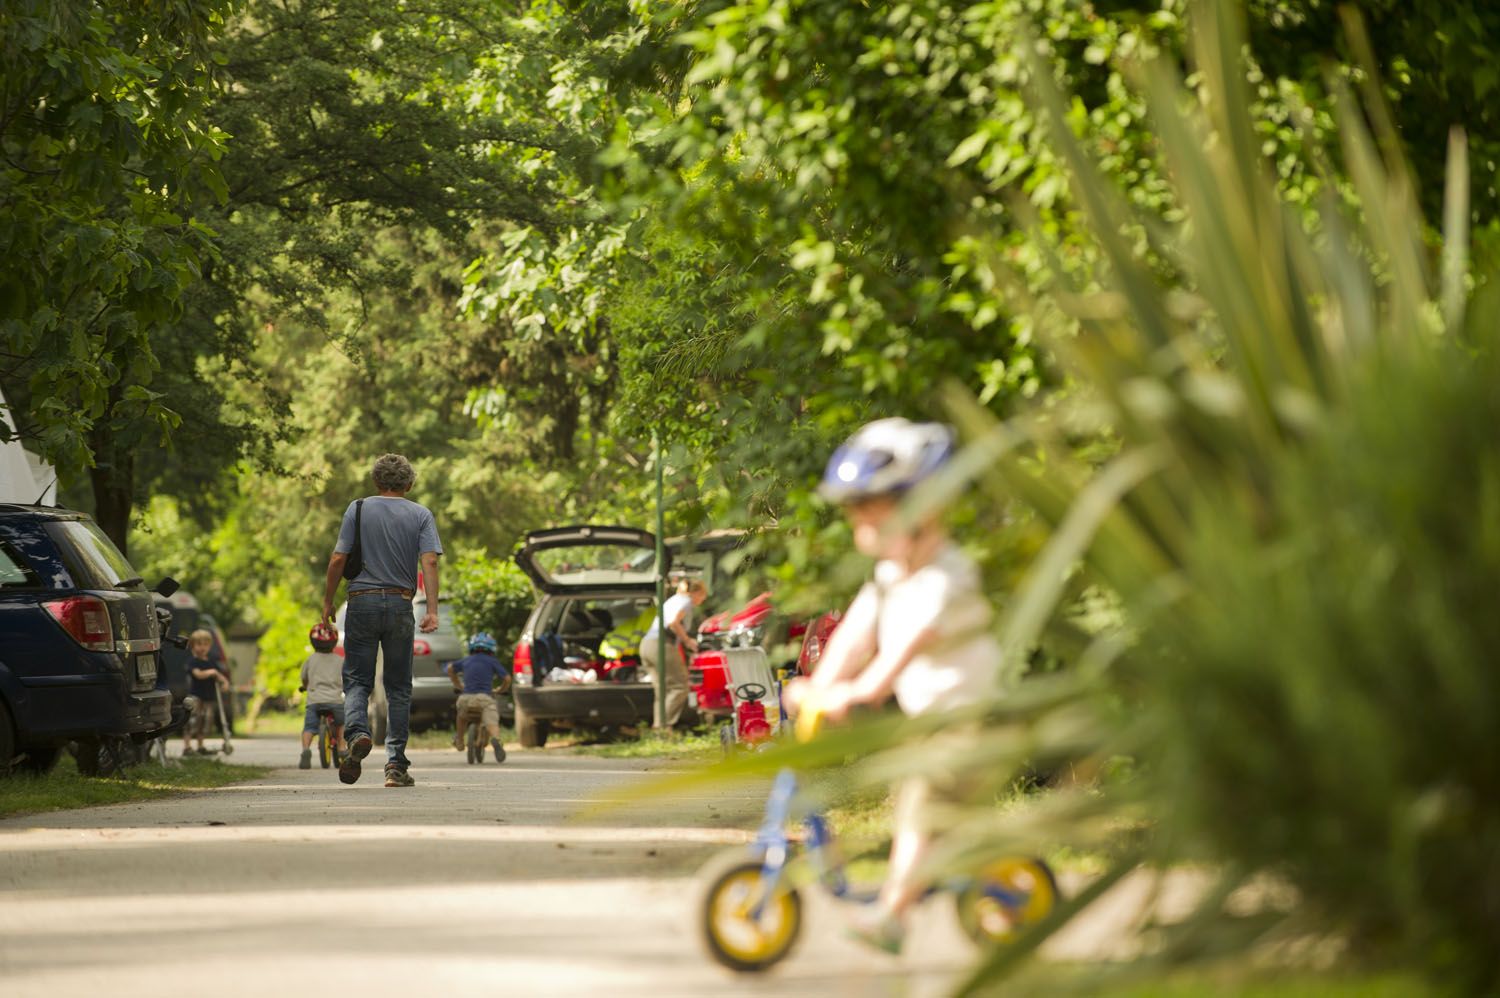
x: 79, y: 638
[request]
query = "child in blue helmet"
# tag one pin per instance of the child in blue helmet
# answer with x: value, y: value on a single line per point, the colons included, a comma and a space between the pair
x: 919, y: 630
x: 476, y: 676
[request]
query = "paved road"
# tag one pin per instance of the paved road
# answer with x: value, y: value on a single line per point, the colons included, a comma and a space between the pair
x: 478, y: 880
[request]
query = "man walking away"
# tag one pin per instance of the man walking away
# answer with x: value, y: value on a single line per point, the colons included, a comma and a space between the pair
x: 394, y: 535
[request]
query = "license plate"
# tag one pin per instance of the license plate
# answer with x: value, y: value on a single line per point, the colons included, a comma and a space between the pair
x: 145, y: 667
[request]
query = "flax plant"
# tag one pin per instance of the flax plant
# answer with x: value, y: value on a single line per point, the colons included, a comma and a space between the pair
x: 1300, y: 520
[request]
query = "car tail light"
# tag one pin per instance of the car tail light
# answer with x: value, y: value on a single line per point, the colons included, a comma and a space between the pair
x: 520, y: 662
x: 86, y: 619
x: 420, y: 647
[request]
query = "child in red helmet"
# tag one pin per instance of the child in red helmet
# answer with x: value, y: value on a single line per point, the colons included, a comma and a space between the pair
x: 323, y: 679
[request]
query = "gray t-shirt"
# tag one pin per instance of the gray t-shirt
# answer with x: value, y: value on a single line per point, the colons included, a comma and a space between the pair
x: 323, y: 675
x: 396, y: 533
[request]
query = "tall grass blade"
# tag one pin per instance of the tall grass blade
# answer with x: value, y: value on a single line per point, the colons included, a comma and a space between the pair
x: 1456, y: 231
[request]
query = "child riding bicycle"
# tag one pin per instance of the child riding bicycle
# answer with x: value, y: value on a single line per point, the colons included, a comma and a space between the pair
x: 918, y: 630
x: 323, y: 679
x: 475, y: 676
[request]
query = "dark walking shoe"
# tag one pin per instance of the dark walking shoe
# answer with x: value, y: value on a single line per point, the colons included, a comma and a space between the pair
x: 395, y: 776
x: 350, y: 768
x: 306, y: 761
x: 499, y: 749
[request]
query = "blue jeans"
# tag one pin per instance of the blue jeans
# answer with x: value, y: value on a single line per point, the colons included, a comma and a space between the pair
x: 310, y: 716
x: 379, y: 623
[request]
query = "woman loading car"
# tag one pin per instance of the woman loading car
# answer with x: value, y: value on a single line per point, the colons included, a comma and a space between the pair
x: 677, y: 612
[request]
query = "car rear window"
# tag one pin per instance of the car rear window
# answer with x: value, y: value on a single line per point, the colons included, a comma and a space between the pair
x: 91, y: 557
x: 14, y: 572
x: 598, y: 616
x: 597, y: 564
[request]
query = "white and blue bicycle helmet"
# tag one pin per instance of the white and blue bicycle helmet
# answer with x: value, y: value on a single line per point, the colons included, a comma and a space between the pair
x: 483, y: 642
x: 886, y: 457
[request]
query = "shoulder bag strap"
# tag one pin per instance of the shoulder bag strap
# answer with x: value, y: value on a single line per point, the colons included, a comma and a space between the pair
x: 356, y: 561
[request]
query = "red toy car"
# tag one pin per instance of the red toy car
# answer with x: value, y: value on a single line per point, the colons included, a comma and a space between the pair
x: 755, y: 625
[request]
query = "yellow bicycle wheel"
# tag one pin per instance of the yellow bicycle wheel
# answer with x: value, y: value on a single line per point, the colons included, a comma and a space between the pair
x: 732, y: 888
x: 1008, y: 896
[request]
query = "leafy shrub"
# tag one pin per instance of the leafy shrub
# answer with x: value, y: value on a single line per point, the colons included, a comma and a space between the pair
x: 1324, y: 698
x: 490, y: 594
x: 283, y: 645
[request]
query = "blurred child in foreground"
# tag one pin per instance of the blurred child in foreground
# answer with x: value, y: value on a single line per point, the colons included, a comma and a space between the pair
x: 919, y: 630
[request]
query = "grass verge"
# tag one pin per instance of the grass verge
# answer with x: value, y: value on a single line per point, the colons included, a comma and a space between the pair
x: 696, y: 746
x: 63, y: 788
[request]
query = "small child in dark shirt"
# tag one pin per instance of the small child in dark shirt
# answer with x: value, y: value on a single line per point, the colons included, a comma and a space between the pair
x: 474, y: 677
x: 204, y: 680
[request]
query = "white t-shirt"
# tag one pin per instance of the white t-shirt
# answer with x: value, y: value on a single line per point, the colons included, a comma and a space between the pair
x: 960, y: 665
x: 674, y: 605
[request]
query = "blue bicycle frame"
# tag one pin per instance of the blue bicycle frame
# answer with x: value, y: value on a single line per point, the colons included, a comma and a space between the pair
x: 774, y: 843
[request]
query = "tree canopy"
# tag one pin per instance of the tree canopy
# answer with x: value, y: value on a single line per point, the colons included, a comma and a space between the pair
x: 265, y: 242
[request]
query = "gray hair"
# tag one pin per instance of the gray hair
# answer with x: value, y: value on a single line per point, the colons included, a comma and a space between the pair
x: 393, y: 473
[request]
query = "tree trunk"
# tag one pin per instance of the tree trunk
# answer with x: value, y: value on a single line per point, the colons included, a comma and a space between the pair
x: 113, y: 481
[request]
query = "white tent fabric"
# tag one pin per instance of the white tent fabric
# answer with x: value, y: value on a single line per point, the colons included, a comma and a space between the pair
x: 24, y: 477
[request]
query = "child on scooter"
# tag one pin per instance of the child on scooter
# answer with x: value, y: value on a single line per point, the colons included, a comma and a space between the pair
x: 918, y: 630
x: 203, y: 677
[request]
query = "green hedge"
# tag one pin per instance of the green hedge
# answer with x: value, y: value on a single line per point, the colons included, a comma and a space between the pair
x: 490, y: 594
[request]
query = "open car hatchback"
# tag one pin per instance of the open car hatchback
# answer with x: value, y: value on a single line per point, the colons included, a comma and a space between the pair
x: 577, y: 662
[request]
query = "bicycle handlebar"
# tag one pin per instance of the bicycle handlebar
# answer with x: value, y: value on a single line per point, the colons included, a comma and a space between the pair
x: 809, y: 716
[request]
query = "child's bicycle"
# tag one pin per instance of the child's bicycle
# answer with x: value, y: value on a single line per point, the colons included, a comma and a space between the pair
x: 751, y: 912
x: 471, y: 723
x: 328, y: 740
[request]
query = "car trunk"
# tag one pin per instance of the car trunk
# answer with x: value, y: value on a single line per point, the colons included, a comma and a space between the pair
x: 133, y: 615
x: 97, y: 567
x: 582, y: 643
x: 598, y: 635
